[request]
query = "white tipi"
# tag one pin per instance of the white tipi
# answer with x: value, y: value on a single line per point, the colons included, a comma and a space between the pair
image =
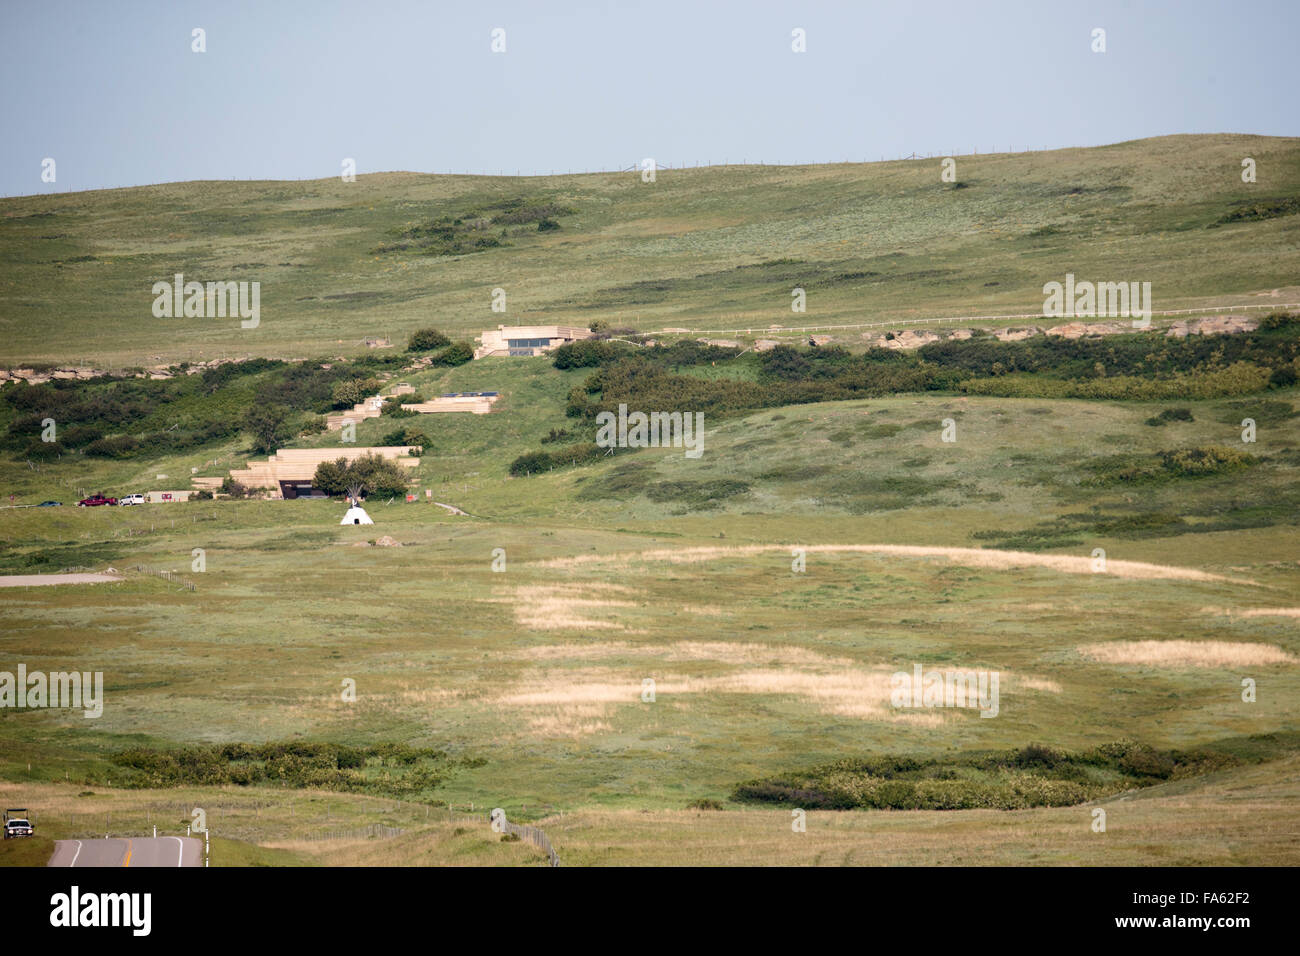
x: 356, y: 514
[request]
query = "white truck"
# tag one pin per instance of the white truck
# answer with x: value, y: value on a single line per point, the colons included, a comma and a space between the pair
x: 17, y: 824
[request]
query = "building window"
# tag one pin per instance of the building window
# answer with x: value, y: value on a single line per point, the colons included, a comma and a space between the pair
x: 527, y: 343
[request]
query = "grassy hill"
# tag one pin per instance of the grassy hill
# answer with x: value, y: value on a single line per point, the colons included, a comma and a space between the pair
x: 522, y: 687
x: 537, y: 672
x: 708, y: 248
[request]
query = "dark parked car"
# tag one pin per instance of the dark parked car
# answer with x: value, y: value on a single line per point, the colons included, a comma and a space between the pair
x: 95, y: 500
x: 50, y: 504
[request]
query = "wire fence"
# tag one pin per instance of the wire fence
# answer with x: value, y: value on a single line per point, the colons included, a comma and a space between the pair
x: 374, y: 831
x: 536, y: 837
x: 165, y: 575
x: 171, y: 576
x: 238, y: 820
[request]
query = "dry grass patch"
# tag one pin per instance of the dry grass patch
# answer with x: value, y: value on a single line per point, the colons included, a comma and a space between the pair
x: 739, y: 653
x: 1181, y: 654
x: 1254, y: 611
x: 567, y: 607
x: 967, y: 557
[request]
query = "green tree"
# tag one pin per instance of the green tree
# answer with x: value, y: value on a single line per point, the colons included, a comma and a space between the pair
x: 269, y: 426
x: 380, y: 476
x: 407, y: 436
x: 377, y: 475
x: 354, y: 391
x: 426, y: 340
x: 331, y: 477
x: 458, y: 353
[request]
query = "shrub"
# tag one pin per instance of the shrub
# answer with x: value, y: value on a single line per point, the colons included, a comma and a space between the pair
x: 1035, y: 755
x: 407, y: 436
x: 530, y: 463
x: 547, y: 225
x: 1283, y: 377
x: 1145, y: 762
x: 1034, y: 776
x: 1209, y: 460
x: 704, y: 804
x: 378, y: 476
x: 123, y: 446
x: 427, y: 340
x: 585, y: 353
x: 1171, y: 415
x: 353, y: 391
x: 234, y: 488
x: 458, y: 353
x: 44, y: 450
x: 79, y: 435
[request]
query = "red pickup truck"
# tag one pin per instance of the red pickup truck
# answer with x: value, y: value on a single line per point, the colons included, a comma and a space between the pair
x: 95, y: 500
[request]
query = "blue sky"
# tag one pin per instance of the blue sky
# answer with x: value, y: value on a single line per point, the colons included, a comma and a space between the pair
x: 113, y: 93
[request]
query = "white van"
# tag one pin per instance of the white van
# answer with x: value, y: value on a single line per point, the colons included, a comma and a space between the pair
x: 131, y: 500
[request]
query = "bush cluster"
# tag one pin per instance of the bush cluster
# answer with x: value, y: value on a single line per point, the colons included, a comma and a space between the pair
x: 394, y: 769
x: 378, y: 476
x: 539, y: 461
x: 1033, y: 776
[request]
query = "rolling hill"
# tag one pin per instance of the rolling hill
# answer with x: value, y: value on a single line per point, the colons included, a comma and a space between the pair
x: 708, y: 249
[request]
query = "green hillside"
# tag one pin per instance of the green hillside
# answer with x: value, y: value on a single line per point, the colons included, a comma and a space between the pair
x: 1093, y: 519
x: 709, y: 248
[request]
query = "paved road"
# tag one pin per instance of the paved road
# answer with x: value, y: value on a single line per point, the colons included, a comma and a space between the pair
x: 31, y: 580
x: 136, y: 851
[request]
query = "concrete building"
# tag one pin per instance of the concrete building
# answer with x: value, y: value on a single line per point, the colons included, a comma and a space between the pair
x: 290, y: 470
x: 527, y: 339
x: 167, y: 497
x: 479, y: 403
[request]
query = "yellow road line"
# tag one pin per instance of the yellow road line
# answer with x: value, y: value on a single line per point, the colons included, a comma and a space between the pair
x: 127, y: 860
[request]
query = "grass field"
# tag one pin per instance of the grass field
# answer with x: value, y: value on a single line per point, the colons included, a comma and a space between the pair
x: 537, y: 672
x: 708, y: 248
x: 769, y: 590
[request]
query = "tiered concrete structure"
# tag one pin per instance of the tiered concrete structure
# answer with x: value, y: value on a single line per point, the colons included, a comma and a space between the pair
x: 480, y: 403
x: 290, y: 470
x: 527, y: 339
x: 370, y: 408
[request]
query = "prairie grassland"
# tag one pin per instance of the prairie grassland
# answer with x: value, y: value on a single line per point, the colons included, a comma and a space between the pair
x: 265, y: 827
x: 868, y: 242
x: 979, y: 554
x: 757, y: 666
x: 1242, y: 817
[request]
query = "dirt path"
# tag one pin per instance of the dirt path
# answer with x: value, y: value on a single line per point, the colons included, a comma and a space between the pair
x: 37, y: 580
